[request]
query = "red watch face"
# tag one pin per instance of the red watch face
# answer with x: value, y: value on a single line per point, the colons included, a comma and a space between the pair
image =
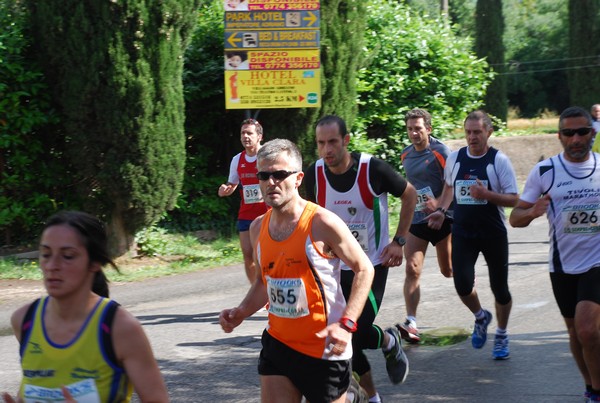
x: 349, y: 325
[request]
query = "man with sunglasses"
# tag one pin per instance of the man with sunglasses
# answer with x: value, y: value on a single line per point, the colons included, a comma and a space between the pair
x: 242, y: 171
x: 480, y: 181
x: 299, y: 247
x: 355, y: 187
x: 567, y: 188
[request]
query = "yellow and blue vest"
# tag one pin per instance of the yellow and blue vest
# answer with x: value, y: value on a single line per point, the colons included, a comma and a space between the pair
x: 86, y: 365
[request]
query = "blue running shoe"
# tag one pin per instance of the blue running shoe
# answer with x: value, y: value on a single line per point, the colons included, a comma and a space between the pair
x: 500, y: 351
x: 396, y: 361
x: 593, y: 398
x: 479, y: 336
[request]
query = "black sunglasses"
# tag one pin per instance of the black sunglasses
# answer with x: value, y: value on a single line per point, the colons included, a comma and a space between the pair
x: 581, y: 131
x: 277, y: 175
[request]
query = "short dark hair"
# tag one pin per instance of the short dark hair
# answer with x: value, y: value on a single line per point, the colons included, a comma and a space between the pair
x: 417, y: 113
x: 95, y: 239
x: 331, y: 119
x: 574, y: 112
x: 242, y: 55
x: 480, y: 115
x: 259, y: 128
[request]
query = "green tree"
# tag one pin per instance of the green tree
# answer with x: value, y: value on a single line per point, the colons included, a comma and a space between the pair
x: 489, y: 26
x: 536, y: 38
x: 342, y: 28
x: 28, y: 168
x: 537, y: 56
x: 414, y: 62
x: 115, y: 73
x: 584, y: 28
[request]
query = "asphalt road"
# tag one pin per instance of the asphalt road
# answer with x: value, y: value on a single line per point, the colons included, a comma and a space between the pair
x: 202, y: 364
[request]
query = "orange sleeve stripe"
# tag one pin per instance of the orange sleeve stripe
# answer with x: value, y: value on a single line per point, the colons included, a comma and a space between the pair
x: 440, y: 158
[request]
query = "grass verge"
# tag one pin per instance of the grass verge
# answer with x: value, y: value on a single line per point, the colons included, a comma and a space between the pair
x: 164, y: 254
x: 444, y: 337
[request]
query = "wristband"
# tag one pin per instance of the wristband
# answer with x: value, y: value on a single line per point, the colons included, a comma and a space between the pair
x: 348, y: 324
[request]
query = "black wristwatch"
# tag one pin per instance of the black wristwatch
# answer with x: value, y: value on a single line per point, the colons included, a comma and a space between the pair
x: 443, y: 210
x: 348, y: 324
x: 400, y: 240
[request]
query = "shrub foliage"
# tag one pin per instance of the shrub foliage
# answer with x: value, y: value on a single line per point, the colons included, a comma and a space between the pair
x: 114, y: 69
x: 29, y: 173
x: 410, y: 62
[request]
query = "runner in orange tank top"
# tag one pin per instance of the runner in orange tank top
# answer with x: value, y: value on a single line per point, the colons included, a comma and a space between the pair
x: 299, y: 247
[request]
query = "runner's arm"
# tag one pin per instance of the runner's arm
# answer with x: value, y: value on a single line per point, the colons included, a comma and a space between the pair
x: 480, y: 191
x: 436, y: 219
x: 135, y: 354
x: 524, y: 213
x: 227, y: 188
x: 409, y: 202
x: 256, y: 297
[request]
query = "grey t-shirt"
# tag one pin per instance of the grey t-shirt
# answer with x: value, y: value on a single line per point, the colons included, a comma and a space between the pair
x: 425, y: 171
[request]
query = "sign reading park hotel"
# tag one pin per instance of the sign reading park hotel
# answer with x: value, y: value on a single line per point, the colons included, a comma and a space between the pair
x: 272, y: 54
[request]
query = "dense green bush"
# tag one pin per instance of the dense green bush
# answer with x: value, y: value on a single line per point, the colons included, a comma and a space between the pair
x: 414, y: 62
x: 28, y: 160
x: 115, y: 71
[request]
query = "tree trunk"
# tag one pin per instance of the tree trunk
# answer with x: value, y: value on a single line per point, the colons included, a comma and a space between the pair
x: 120, y: 240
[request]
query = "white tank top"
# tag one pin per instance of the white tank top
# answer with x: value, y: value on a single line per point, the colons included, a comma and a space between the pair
x: 365, y: 213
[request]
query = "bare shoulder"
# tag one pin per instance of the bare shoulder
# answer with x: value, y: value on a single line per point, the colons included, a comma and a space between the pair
x: 127, y: 334
x: 322, y: 215
x: 125, y: 322
x: 256, y: 223
x: 16, y: 319
x: 326, y: 223
x: 255, y: 226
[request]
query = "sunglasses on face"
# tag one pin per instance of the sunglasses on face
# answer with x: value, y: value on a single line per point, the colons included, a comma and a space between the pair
x: 277, y: 175
x: 581, y: 131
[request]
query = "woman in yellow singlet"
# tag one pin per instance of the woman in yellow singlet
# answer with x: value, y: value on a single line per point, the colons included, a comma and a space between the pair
x: 77, y: 345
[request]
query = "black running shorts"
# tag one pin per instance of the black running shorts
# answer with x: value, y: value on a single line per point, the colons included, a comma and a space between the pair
x: 570, y: 289
x: 318, y: 380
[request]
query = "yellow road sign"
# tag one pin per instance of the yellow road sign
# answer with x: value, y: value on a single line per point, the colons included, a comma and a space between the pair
x: 264, y: 89
x: 283, y: 4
